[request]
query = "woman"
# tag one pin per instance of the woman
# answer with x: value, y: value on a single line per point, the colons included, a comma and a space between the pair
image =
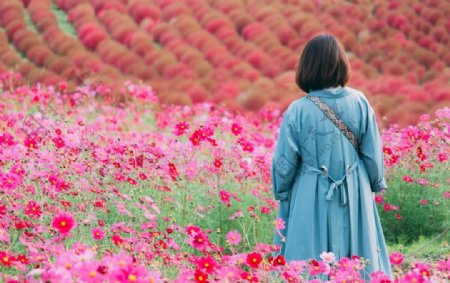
x: 327, y: 164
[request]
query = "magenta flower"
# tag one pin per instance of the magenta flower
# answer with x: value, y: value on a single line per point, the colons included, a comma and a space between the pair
x: 225, y: 197
x: 396, y: 258
x: 97, y: 234
x: 63, y: 222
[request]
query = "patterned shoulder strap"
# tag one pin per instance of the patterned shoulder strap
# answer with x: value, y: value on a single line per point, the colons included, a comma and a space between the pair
x: 335, y: 120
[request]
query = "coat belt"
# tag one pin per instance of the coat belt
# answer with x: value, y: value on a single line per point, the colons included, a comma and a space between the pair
x: 334, y: 184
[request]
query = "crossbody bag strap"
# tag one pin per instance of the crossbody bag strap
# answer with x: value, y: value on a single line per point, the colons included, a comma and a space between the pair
x: 335, y: 120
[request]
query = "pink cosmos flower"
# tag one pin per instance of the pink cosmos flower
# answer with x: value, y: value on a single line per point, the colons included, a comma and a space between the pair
x: 229, y: 273
x: 279, y: 223
x: 396, y: 258
x: 379, y: 277
x: 97, y: 234
x: 233, y: 238
x: 89, y: 272
x: 191, y: 169
x: 318, y: 267
x: 414, y: 276
x: 446, y: 194
x: 9, y: 181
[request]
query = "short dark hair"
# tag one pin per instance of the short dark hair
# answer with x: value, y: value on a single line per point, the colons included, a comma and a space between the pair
x: 323, y: 64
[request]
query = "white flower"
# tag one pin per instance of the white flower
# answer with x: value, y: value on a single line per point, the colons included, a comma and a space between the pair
x: 328, y: 257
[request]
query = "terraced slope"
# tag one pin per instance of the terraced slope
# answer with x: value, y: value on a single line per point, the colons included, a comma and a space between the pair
x: 240, y: 53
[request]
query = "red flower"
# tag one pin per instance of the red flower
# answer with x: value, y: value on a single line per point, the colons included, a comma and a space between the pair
x: 173, y: 171
x: 423, y: 201
x: 254, y: 259
x: 3, y: 209
x: 408, y: 179
x: 207, y: 263
x: 265, y: 210
x: 63, y: 222
x: 200, y: 276
x: 379, y: 199
x: 387, y: 207
x: 131, y: 181
x: 249, y: 277
x: 33, y: 209
x: 218, y: 162
x: 117, y: 239
x: 225, y: 197
x: 20, y: 224
x: 387, y: 150
x: 22, y: 258
x: 236, y: 129
x: 6, y: 259
x: 195, y: 138
x: 279, y: 261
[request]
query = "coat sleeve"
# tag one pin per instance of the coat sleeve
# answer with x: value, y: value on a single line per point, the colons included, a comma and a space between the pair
x: 371, y: 150
x: 285, y: 158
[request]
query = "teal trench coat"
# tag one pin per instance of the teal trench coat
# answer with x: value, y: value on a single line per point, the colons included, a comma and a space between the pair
x: 325, y: 187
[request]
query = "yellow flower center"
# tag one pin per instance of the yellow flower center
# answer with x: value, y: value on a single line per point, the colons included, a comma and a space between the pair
x: 131, y: 277
x: 63, y: 223
x: 92, y: 273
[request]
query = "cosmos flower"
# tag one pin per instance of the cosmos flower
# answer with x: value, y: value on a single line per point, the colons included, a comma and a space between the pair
x: 63, y: 222
x: 233, y: 238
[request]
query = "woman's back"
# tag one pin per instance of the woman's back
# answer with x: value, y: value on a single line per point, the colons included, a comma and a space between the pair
x: 327, y: 163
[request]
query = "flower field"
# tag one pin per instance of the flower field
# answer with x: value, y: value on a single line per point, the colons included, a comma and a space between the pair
x: 94, y: 191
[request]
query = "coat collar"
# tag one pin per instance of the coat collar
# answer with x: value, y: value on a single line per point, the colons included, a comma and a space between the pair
x: 330, y: 93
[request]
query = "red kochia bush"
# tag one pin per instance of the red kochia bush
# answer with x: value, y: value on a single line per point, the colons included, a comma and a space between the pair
x: 141, y: 10
x: 173, y: 10
x: 253, y: 30
x: 116, y: 6
x: 9, y: 58
x: 38, y: 54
